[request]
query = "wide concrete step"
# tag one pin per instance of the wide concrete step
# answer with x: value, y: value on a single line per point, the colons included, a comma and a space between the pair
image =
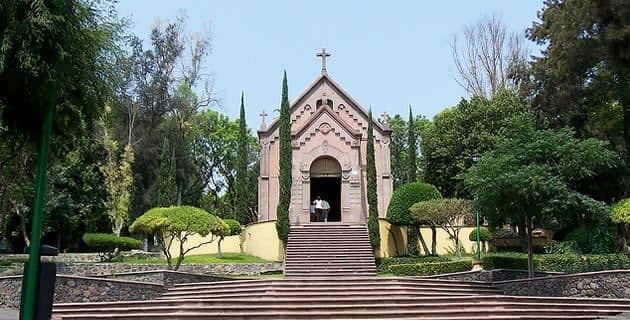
x: 315, y: 290
x: 442, y: 301
x: 328, y: 283
x: 341, y: 307
x: 364, y: 312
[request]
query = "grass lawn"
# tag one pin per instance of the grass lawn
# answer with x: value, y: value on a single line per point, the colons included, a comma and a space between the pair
x: 201, y: 259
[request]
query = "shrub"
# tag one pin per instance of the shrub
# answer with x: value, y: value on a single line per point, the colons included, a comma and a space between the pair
x: 564, y: 247
x: 484, y: 234
x: 177, y: 224
x: 621, y: 211
x: 428, y: 269
x: 406, y: 196
x: 109, y: 245
x: 384, y: 263
x: 506, y: 261
x: 582, y: 237
x: 569, y: 263
x: 398, y: 209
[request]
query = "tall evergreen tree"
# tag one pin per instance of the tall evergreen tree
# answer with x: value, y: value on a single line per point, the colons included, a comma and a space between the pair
x: 166, y: 190
x: 241, y: 168
x: 284, y: 201
x: 372, y: 197
x: 411, y: 150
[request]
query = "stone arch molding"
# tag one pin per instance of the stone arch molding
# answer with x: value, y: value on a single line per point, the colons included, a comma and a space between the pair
x: 325, y: 150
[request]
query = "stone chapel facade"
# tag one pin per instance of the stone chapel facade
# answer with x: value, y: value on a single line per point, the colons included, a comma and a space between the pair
x: 329, y: 139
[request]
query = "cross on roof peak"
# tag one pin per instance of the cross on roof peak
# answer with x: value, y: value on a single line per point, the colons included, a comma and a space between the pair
x: 323, y: 54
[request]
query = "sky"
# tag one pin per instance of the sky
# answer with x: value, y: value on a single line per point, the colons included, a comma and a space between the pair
x: 386, y: 54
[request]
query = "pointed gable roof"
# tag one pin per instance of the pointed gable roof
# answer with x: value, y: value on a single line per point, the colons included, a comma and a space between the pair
x: 325, y: 78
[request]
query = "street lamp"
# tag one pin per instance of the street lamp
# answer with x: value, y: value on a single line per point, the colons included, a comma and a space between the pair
x: 475, y: 158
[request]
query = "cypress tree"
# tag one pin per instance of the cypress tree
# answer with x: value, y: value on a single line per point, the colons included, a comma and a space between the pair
x: 242, y: 156
x: 166, y: 189
x: 372, y: 197
x: 284, y: 199
x: 411, y: 156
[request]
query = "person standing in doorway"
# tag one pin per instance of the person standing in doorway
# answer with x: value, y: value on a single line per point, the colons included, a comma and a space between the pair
x: 318, y: 209
x: 325, y: 209
x: 313, y: 216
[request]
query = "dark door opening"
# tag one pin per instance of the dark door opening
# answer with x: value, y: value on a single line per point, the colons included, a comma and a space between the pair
x: 329, y: 189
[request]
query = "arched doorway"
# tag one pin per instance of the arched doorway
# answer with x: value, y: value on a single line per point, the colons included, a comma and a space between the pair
x: 326, y: 183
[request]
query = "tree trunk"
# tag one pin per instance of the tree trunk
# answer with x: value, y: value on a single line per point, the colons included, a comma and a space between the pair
x: 458, y: 249
x: 530, y: 248
x: 412, y: 241
x: 433, y: 241
x: 219, y: 253
x: 27, y: 241
x: 179, y: 194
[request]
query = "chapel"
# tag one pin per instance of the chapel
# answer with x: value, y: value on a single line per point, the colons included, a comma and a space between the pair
x: 329, y: 140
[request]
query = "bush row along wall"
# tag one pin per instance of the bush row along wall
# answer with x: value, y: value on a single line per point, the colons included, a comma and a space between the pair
x: 82, y: 289
x: 489, y: 275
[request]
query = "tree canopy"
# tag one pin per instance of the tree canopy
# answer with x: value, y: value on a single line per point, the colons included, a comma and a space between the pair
x: 531, y: 175
x: 178, y: 224
x: 458, y: 134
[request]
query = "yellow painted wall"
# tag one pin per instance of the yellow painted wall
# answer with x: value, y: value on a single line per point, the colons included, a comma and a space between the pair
x: 261, y: 240
x: 258, y: 239
x: 394, y: 240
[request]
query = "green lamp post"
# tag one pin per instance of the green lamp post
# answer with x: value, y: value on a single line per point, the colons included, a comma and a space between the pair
x: 475, y: 159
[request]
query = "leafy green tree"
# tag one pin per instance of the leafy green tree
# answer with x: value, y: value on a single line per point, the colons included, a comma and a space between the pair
x: 118, y: 173
x: 399, y: 148
x: 234, y: 229
x: 175, y: 225
x: 457, y: 134
x: 60, y: 52
x: 582, y: 77
x: 411, y: 149
x: 398, y: 211
x: 621, y: 215
x: 530, y: 176
x: 285, y: 161
x: 242, y: 161
x: 372, y: 196
x: 448, y: 214
x: 165, y: 192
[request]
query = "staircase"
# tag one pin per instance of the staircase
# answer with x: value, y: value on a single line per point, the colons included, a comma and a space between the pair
x: 342, y: 298
x: 331, y: 274
x: 329, y: 250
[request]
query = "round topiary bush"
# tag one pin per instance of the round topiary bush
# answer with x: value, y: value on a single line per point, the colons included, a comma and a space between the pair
x: 484, y: 234
x: 406, y: 196
x: 234, y: 226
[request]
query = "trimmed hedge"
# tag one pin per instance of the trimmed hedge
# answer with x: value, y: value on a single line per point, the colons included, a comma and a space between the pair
x: 559, y: 262
x: 107, y: 243
x: 406, y: 196
x: 429, y: 269
x: 383, y: 264
x: 484, y: 234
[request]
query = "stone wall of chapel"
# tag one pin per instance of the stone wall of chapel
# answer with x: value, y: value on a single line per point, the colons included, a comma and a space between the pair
x: 302, y: 115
